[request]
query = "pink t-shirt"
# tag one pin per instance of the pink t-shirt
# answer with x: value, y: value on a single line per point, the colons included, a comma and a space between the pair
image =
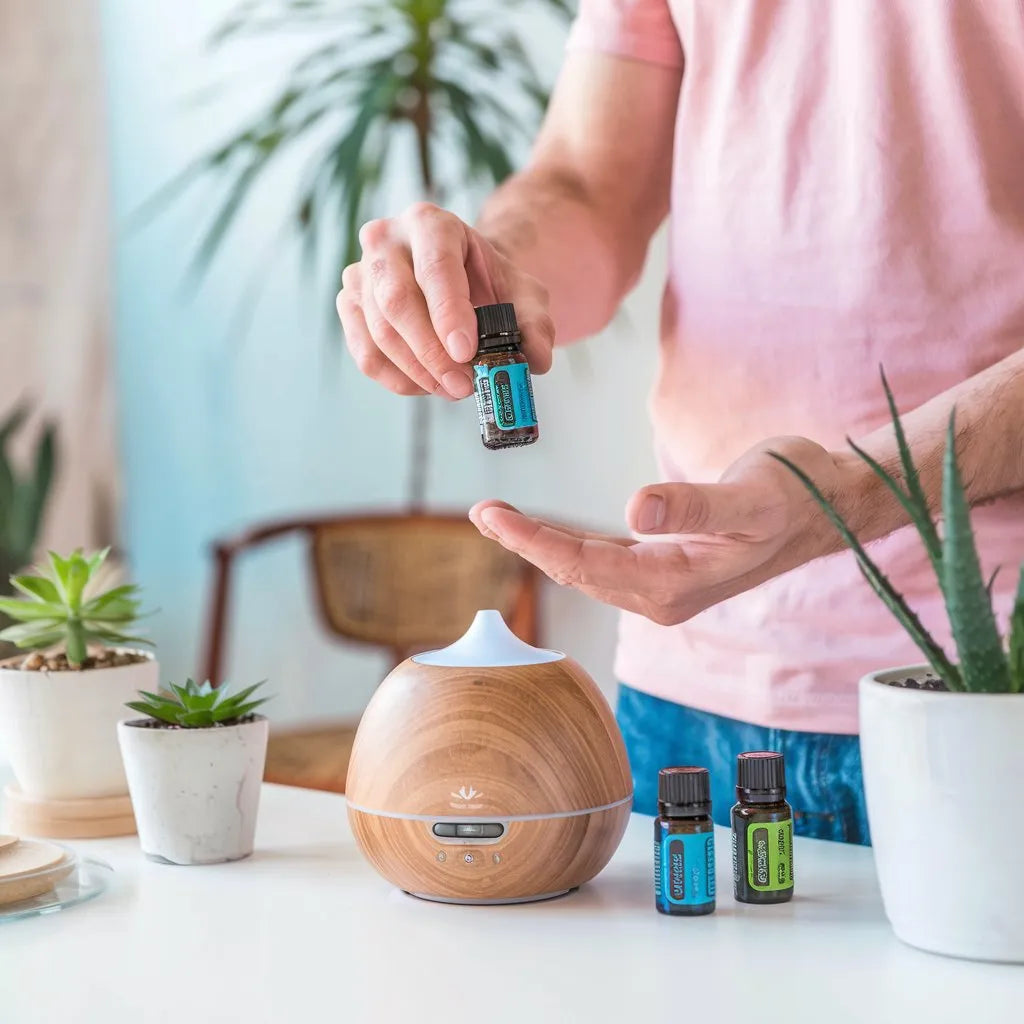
x: 848, y: 190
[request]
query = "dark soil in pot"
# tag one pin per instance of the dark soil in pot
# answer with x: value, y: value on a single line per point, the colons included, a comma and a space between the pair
x: 928, y: 682
x: 152, y: 723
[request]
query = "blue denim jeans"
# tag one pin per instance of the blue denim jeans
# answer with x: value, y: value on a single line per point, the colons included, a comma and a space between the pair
x: 823, y: 773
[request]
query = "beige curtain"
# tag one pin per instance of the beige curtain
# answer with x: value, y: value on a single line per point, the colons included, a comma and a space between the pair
x: 54, y: 251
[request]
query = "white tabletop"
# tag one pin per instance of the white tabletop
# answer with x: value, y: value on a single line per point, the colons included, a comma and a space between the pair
x: 305, y: 931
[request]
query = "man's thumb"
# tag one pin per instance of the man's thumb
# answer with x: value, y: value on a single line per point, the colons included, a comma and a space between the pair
x: 690, y: 508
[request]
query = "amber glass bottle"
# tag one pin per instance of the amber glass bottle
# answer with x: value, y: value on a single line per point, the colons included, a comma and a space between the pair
x: 762, y: 830
x: 684, y: 843
x: 501, y: 375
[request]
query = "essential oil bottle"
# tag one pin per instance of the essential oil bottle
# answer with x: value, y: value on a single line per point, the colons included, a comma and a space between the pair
x: 501, y: 375
x: 684, y: 843
x: 762, y: 830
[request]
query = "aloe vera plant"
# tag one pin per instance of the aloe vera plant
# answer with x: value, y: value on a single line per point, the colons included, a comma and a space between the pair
x: 23, y: 495
x: 58, y: 609
x: 198, y: 706
x: 984, y: 664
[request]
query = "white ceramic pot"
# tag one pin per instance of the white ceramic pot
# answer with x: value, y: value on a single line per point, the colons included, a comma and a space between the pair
x: 59, y: 729
x: 195, y: 791
x: 941, y: 772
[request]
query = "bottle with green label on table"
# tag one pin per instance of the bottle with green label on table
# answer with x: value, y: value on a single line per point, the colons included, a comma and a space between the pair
x: 762, y: 830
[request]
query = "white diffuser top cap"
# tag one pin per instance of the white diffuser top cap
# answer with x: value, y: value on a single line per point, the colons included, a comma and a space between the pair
x: 488, y: 643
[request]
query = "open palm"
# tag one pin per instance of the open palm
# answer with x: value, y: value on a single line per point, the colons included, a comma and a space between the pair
x: 713, y: 540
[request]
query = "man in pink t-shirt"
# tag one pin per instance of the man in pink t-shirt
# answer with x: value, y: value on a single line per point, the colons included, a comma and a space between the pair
x: 844, y: 181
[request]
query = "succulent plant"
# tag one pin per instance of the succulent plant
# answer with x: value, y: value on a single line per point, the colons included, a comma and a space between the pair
x: 985, y: 664
x: 194, y: 706
x: 57, y: 609
x: 22, y: 497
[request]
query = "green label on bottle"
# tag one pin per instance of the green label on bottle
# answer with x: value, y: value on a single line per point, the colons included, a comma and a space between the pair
x: 770, y: 855
x: 506, y: 395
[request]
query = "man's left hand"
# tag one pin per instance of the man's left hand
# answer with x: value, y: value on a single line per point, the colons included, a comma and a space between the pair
x: 694, y: 544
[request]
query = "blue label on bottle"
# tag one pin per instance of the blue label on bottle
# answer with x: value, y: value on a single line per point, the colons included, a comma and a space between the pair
x: 685, y: 868
x: 509, y: 397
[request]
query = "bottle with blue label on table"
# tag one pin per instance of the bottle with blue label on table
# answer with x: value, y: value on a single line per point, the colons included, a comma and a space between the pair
x: 501, y: 377
x: 684, y: 843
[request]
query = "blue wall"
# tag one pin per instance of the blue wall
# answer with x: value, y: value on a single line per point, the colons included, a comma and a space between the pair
x: 221, y: 428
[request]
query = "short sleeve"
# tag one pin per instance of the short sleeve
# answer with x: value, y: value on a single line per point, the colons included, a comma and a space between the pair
x: 641, y: 29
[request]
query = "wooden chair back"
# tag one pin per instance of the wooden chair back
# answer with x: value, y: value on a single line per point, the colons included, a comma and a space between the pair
x: 401, y: 582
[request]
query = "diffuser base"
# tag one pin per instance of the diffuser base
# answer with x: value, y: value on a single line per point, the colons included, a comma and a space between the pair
x: 489, y: 903
x: 95, y: 818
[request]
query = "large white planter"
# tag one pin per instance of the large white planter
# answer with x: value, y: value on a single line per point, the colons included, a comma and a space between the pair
x: 940, y: 777
x: 195, y: 791
x: 59, y: 729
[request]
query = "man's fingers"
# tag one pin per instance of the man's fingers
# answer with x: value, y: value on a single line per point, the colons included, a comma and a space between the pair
x: 366, y: 354
x: 395, y: 308
x: 475, y: 515
x: 393, y: 346
x: 692, y: 508
x: 438, y: 243
x: 538, y: 331
x: 569, y: 560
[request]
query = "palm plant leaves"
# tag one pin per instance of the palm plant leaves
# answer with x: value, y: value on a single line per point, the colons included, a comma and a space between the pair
x: 23, y: 496
x: 443, y: 70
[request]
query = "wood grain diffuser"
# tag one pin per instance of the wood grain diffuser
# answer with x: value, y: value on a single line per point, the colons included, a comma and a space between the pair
x: 488, y: 772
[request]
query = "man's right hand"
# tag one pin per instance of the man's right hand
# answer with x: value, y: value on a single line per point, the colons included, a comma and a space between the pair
x: 406, y: 307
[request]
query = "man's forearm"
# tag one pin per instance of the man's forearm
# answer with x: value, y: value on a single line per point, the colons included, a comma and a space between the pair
x: 580, y: 216
x: 546, y: 223
x: 989, y: 444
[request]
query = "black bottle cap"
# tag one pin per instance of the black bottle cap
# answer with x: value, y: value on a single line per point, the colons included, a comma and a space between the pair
x: 497, y: 319
x: 763, y: 770
x: 684, y: 785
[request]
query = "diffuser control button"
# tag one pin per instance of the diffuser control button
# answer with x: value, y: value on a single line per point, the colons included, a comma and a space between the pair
x: 476, y: 831
x: 468, y: 830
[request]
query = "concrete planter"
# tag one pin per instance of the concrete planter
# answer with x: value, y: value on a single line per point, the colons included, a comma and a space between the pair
x: 59, y: 729
x: 940, y: 771
x: 195, y: 791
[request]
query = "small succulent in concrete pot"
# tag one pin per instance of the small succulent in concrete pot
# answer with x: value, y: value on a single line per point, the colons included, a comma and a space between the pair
x: 195, y: 765
x: 943, y: 743
x: 60, y: 704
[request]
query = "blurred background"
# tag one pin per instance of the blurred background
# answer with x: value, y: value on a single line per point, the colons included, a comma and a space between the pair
x: 180, y: 181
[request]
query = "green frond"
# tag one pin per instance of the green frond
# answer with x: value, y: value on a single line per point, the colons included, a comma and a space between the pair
x: 893, y: 600
x: 915, y: 490
x: 51, y: 610
x: 363, y: 55
x: 917, y: 509
x: 979, y: 647
x: 1016, y: 639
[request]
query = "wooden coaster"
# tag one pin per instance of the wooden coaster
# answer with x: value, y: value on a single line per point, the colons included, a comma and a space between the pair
x: 68, y: 819
x: 28, y: 857
x: 35, y: 883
